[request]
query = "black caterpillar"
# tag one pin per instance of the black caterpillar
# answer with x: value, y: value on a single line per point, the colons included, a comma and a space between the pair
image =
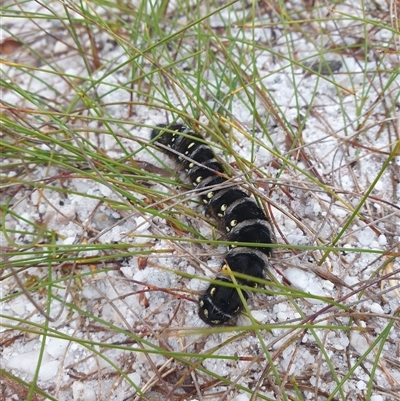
x: 243, y: 219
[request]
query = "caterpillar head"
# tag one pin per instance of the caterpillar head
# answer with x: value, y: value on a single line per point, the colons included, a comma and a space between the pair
x: 219, y: 303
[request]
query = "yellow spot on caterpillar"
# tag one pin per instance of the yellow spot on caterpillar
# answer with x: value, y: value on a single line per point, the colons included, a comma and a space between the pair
x: 210, y: 195
x: 198, y: 179
x: 233, y: 223
x: 213, y: 291
x: 201, y: 303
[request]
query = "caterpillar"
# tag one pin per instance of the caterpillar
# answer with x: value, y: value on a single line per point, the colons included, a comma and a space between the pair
x: 242, y: 219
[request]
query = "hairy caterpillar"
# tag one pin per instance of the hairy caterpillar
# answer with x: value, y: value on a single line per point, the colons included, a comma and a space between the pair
x: 243, y: 220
